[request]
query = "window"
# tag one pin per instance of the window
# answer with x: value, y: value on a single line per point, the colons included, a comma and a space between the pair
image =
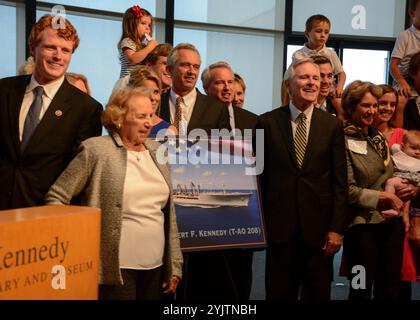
x: 290, y: 50
x: 267, y: 14
x: 109, y: 5
x: 366, y: 65
x: 8, y: 40
x: 377, y: 18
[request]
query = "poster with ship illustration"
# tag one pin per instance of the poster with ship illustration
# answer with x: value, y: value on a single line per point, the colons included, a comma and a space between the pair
x: 217, y: 203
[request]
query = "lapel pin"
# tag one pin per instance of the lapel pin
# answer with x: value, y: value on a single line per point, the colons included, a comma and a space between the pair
x: 58, y: 113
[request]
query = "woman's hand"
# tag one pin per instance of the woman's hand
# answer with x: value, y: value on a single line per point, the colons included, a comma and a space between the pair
x: 171, y: 287
x: 408, y: 192
x: 389, y: 200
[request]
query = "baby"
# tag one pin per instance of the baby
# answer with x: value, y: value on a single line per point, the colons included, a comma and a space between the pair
x: 407, y: 166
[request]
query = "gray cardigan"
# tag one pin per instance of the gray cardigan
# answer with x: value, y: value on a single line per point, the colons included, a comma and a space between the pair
x: 367, y: 175
x: 97, y: 173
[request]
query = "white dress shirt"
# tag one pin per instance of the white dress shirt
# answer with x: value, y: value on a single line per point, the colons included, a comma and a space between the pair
x: 295, y: 112
x: 187, y: 108
x: 231, y: 117
x: 145, y: 195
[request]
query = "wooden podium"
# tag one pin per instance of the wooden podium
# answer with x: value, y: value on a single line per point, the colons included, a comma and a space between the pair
x: 49, y: 252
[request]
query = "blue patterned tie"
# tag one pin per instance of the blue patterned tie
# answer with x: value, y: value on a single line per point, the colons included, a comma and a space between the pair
x: 32, y: 119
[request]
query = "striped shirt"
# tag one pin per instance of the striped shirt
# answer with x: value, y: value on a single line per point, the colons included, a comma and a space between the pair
x: 127, y: 66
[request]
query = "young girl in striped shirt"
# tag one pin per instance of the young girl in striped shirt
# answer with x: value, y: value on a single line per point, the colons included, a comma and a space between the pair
x: 137, y: 29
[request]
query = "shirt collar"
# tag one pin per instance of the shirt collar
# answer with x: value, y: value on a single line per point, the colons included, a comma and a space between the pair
x: 417, y: 100
x: 308, y: 51
x: 414, y: 30
x: 189, y: 98
x: 50, y: 89
x: 295, y: 112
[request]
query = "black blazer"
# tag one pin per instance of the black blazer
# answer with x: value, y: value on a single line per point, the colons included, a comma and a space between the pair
x: 315, y: 196
x: 244, y: 119
x: 411, y: 116
x: 72, y: 117
x: 208, y: 113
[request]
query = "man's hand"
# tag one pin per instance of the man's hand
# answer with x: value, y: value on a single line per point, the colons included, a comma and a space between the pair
x: 333, y: 243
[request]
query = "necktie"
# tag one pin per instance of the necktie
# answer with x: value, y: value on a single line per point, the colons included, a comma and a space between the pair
x: 178, y: 112
x: 32, y: 118
x: 300, y: 139
x: 322, y: 107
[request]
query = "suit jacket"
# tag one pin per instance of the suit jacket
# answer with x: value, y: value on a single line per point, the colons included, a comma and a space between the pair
x: 330, y: 108
x: 208, y: 113
x: 411, y: 116
x: 367, y: 175
x: 244, y: 119
x: 313, y: 197
x: 71, y: 117
x: 98, y: 173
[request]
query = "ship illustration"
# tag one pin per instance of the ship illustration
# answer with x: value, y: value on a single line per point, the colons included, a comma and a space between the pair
x: 195, y: 197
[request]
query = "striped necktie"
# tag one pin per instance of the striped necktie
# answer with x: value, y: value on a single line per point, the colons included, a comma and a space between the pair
x: 178, y: 112
x: 300, y: 139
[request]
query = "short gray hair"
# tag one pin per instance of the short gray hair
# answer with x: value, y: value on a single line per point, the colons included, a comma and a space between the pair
x: 117, y: 106
x: 290, y: 72
x: 206, y: 75
x: 173, y: 55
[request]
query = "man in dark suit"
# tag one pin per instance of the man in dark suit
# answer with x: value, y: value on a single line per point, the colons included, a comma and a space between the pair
x: 412, y: 114
x: 234, y: 265
x: 304, y: 190
x: 218, y: 82
x: 195, y: 110
x: 43, y: 118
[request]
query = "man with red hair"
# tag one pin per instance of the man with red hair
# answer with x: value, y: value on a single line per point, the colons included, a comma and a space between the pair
x: 43, y: 118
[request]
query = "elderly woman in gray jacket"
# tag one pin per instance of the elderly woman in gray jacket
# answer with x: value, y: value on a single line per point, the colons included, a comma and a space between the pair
x: 374, y: 239
x: 120, y: 174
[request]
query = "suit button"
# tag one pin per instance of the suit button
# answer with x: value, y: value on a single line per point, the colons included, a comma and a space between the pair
x: 118, y: 205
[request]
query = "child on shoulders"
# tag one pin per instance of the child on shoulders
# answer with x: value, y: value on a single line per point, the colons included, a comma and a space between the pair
x: 406, y: 45
x: 317, y: 30
x: 137, y: 29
